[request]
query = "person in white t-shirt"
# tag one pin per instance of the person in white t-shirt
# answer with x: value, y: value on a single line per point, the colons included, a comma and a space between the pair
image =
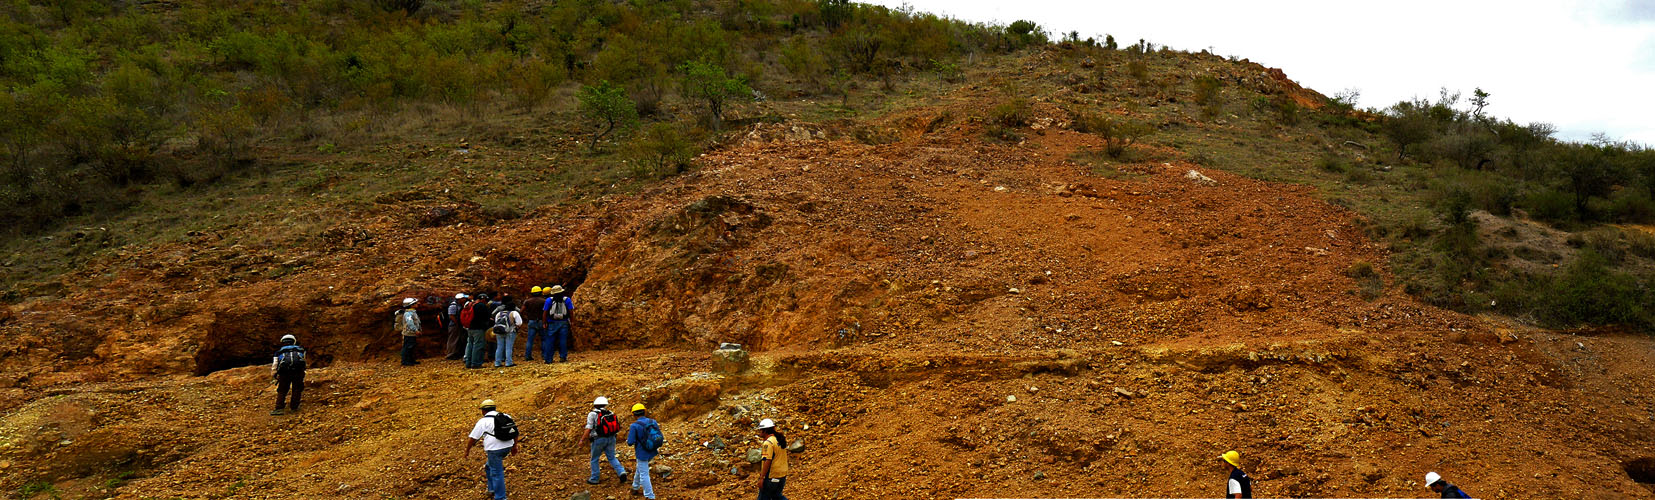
x: 486, y: 431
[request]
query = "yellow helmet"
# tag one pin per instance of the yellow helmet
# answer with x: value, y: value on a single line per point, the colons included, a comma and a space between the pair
x: 637, y: 408
x: 487, y: 403
x: 534, y: 290
x: 1232, y: 457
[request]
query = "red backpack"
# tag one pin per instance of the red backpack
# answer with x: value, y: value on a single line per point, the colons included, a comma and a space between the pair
x: 465, y: 316
x: 607, y: 424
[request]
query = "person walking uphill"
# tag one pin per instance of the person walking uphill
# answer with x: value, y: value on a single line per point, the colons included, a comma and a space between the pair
x: 534, y: 314
x: 499, y: 435
x: 559, y: 308
x: 406, y: 321
x: 477, y: 319
x: 773, y: 471
x: 288, y: 368
x: 1239, y: 485
x: 506, y: 322
x: 645, y: 437
x: 601, y: 427
x: 1446, y: 489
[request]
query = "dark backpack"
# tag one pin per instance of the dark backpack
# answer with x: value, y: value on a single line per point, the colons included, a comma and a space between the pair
x: 503, y: 324
x: 505, y: 429
x: 607, y: 424
x: 653, y: 438
x: 290, y: 360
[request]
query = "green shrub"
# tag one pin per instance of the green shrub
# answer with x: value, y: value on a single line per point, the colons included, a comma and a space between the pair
x: 1207, y: 90
x: 709, y: 84
x: 1286, y: 109
x: 661, y: 149
x: 1590, y: 291
x: 1117, y: 134
x: 1551, y: 205
x: 1012, y: 112
x: 1331, y: 164
x: 607, y: 107
x: 1631, y: 205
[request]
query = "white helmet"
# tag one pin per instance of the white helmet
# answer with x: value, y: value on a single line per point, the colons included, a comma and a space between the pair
x: 767, y: 424
x: 290, y: 338
x: 601, y: 401
x: 409, y: 301
x: 1432, y: 478
x: 459, y: 296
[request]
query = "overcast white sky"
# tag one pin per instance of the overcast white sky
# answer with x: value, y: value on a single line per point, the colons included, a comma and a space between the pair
x: 1584, y: 66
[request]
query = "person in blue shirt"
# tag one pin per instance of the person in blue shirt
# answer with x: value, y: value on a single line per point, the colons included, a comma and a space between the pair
x: 638, y: 436
x: 1444, y: 488
x: 558, y: 308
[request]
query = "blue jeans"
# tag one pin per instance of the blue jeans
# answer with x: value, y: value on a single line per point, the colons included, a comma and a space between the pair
x: 640, y: 479
x: 605, y: 446
x: 557, y: 340
x: 503, y: 351
x: 474, y: 348
x: 772, y: 489
x: 495, y: 472
x: 537, y: 330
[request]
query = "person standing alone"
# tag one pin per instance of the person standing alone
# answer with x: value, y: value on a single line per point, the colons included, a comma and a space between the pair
x: 406, y: 320
x: 601, y: 428
x: 288, y: 368
x: 1239, y: 485
x: 773, y: 470
x: 499, y: 435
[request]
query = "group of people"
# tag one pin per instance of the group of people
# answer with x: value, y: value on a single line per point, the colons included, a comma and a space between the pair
x: 499, y: 436
x: 1240, y: 485
x: 483, y: 329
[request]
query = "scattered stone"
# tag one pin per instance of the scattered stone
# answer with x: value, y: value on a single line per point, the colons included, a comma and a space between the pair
x: 581, y: 495
x: 754, y: 456
x: 735, y: 471
x: 660, y: 470
x: 1038, y: 475
x: 717, y: 444
x: 1197, y: 178
x: 1011, y: 399
x: 797, y: 445
x: 1123, y: 393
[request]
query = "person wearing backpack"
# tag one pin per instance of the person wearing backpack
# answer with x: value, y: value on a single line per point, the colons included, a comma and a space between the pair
x: 559, y: 308
x: 478, y: 320
x: 773, y: 471
x: 645, y: 437
x: 1239, y: 484
x: 288, y: 368
x: 534, y: 313
x: 499, y: 434
x: 506, y: 322
x: 406, y: 322
x: 456, y: 331
x: 601, y: 428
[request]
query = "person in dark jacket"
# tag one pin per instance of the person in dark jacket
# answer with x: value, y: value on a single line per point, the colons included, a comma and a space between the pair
x: 1446, y: 489
x: 558, y: 309
x: 534, y: 313
x: 1239, y: 485
x: 288, y: 368
x: 481, y: 319
x: 456, y: 332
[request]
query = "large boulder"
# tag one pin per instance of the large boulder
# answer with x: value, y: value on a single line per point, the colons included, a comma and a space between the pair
x: 730, y: 358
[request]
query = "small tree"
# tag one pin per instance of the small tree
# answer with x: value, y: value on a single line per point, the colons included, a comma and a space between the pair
x: 713, y: 87
x: 1117, y: 135
x: 608, y: 106
x: 1479, y: 100
x: 1409, y: 123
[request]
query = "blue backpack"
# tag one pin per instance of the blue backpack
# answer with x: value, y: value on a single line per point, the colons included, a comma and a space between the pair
x: 653, y: 441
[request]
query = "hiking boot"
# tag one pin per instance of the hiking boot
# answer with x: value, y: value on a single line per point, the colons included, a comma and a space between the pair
x: 636, y: 492
x: 277, y: 411
x: 590, y: 481
x: 626, y: 478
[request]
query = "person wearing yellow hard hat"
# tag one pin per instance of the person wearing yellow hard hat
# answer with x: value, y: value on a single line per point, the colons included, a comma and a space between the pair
x: 645, y: 437
x: 1240, y: 485
x: 499, y: 435
x: 534, y: 314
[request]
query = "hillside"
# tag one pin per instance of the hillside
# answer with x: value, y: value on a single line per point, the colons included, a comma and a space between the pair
x: 1000, y: 267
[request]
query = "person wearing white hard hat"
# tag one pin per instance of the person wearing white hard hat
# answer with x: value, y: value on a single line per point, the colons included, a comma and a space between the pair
x: 406, y: 321
x: 773, y: 470
x: 498, y: 433
x: 601, y: 428
x: 454, y: 345
x: 1446, y: 489
x: 288, y: 368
